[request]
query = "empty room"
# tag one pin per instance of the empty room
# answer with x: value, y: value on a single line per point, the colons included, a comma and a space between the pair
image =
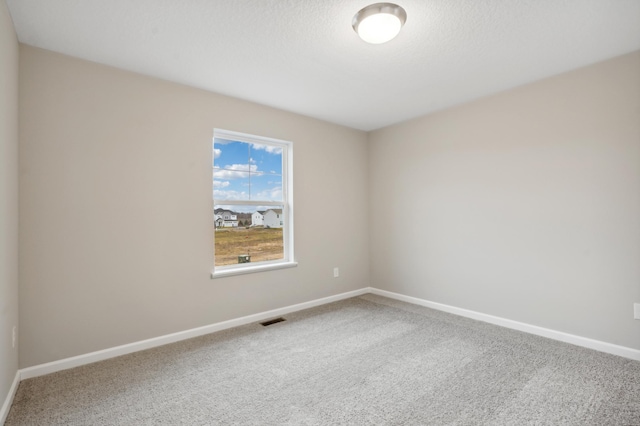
x: 277, y: 212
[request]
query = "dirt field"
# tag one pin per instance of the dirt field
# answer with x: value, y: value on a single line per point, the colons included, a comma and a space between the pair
x: 260, y: 243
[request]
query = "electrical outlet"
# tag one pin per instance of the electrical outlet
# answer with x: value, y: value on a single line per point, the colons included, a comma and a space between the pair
x: 14, y: 335
x: 636, y: 311
x: 336, y: 272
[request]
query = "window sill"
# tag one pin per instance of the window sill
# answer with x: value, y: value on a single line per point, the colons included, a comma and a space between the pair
x: 251, y: 269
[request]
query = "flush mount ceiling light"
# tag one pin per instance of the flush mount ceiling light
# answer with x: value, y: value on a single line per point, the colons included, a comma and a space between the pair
x: 379, y: 23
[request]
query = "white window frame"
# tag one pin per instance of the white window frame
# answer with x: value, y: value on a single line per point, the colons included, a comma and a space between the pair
x: 288, y: 260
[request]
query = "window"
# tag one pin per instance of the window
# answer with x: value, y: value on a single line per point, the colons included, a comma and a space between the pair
x: 252, y: 203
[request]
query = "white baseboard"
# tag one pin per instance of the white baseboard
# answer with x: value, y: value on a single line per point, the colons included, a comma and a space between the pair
x: 4, y: 411
x: 515, y: 325
x: 76, y: 361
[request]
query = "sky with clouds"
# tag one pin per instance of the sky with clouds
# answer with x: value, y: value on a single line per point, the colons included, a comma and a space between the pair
x: 246, y: 171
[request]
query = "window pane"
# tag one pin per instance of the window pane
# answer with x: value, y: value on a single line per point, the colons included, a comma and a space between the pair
x: 266, y: 187
x: 266, y: 158
x: 231, y: 170
x: 246, y: 171
x: 231, y: 155
x: 227, y: 186
x: 248, y: 234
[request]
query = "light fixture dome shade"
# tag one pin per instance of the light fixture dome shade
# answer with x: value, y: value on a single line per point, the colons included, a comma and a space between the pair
x: 379, y: 23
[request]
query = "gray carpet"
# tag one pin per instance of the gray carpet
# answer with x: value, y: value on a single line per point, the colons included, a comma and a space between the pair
x: 366, y: 360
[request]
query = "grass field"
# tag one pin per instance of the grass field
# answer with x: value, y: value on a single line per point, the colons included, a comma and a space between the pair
x: 260, y: 243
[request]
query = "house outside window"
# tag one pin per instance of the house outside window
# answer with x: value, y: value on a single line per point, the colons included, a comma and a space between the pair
x: 252, y: 203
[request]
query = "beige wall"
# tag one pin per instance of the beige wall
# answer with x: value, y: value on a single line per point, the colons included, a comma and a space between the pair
x: 8, y: 200
x: 524, y: 205
x: 116, y: 209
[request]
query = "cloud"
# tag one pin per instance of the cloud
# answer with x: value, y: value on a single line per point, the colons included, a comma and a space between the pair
x: 273, y: 194
x: 230, y: 174
x: 216, y: 153
x: 221, y: 183
x: 239, y: 171
x: 269, y: 148
x: 221, y: 194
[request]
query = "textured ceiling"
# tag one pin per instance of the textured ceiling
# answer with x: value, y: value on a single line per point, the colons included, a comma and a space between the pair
x: 303, y: 56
